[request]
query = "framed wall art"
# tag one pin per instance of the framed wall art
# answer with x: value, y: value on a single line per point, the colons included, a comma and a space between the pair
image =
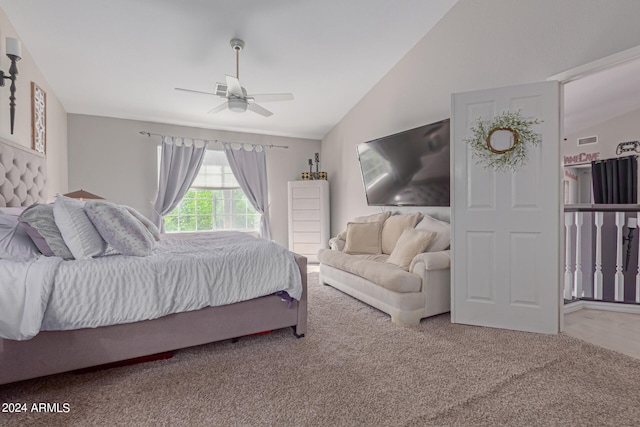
x: 38, y: 118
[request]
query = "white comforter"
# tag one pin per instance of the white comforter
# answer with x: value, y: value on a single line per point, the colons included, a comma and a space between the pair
x: 182, y: 274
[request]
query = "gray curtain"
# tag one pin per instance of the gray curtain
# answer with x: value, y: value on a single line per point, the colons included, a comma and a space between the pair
x: 250, y: 170
x: 179, y: 166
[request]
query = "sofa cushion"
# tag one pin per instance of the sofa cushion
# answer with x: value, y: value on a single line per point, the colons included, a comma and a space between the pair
x: 442, y: 229
x: 379, y: 272
x: 411, y: 243
x: 393, y: 228
x: 363, y: 238
x: 381, y: 217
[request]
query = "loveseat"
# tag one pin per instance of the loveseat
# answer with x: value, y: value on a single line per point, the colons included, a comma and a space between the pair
x: 399, y: 264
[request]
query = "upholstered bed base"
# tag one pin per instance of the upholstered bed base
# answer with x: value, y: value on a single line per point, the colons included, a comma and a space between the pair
x: 60, y: 351
x: 22, y: 182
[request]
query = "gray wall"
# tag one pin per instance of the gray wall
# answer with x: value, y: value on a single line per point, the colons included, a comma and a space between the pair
x: 109, y: 157
x: 477, y: 45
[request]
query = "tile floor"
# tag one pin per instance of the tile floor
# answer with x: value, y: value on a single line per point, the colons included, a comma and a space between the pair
x: 612, y: 330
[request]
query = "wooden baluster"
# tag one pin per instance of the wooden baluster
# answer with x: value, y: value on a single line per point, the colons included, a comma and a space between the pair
x: 597, y: 275
x: 619, y: 279
x: 577, y: 278
x: 568, y: 222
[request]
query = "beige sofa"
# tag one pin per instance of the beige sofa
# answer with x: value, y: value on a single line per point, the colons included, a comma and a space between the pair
x: 407, y: 276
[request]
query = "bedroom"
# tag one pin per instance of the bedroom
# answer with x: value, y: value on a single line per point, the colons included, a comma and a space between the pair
x: 534, y: 39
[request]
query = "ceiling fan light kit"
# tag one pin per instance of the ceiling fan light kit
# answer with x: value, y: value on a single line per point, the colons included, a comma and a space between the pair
x: 237, y: 105
x: 238, y: 100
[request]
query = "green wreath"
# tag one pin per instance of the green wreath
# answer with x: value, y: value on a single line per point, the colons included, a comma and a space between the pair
x: 512, y: 157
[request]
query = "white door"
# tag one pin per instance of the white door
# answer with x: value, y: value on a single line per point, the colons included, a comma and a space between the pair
x: 507, y: 225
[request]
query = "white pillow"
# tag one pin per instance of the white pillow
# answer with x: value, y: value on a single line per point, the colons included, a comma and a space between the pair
x: 123, y: 231
x: 153, y: 229
x: 393, y: 228
x: 363, y: 238
x: 77, y: 230
x: 442, y: 240
x: 411, y: 243
x: 13, y: 210
x: 15, y: 244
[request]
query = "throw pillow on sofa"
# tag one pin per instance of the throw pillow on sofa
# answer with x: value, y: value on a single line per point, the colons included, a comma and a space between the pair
x: 411, y: 243
x: 393, y: 228
x: 442, y: 240
x: 381, y: 217
x: 363, y: 238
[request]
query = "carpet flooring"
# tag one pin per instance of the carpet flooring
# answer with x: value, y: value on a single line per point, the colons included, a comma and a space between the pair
x: 354, y: 368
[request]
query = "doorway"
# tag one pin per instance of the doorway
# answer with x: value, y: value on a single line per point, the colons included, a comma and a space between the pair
x: 601, y: 113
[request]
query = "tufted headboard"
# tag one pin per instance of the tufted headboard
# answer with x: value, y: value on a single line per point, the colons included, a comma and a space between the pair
x: 23, y: 175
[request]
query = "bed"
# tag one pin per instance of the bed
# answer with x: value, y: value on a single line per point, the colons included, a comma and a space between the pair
x: 23, y: 182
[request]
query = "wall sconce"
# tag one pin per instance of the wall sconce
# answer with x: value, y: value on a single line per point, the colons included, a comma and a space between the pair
x: 14, y: 52
x: 632, y: 224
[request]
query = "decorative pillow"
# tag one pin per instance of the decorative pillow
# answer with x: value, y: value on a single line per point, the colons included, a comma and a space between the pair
x: 76, y: 228
x: 442, y: 240
x: 123, y: 231
x: 411, y: 243
x: 153, y: 229
x: 15, y: 244
x: 393, y: 228
x: 381, y: 217
x: 39, y: 223
x: 363, y: 238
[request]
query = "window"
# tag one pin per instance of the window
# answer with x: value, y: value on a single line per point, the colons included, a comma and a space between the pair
x: 215, y: 201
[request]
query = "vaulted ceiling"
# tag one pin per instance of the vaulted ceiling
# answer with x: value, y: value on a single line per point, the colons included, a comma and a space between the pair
x: 123, y: 58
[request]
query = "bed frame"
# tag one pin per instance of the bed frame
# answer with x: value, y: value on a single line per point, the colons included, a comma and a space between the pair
x: 52, y: 352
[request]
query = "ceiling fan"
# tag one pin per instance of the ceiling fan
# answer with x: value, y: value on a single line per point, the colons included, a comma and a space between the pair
x: 237, y: 98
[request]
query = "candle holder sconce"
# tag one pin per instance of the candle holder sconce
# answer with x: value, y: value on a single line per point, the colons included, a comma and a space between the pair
x: 14, y: 52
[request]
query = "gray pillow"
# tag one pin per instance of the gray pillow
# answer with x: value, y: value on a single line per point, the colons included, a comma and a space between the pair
x: 119, y: 228
x: 15, y: 244
x: 39, y: 223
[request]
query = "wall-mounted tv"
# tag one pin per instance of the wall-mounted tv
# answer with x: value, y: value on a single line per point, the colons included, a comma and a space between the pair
x: 409, y: 168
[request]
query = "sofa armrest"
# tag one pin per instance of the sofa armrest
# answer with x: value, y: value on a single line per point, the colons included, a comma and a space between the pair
x: 336, y: 244
x: 427, y: 261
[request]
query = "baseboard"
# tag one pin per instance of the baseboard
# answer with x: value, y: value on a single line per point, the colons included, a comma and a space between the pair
x: 605, y: 306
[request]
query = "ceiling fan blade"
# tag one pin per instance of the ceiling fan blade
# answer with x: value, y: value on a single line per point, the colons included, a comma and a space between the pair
x: 219, y: 108
x: 272, y: 97
x: 260, y: 110
x: 194, y: 91
x: 233, y: 87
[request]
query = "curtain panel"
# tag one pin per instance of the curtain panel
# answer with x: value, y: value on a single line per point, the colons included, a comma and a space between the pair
x: 250, y: 170
x: 615, y: 181
x: 179, y: 166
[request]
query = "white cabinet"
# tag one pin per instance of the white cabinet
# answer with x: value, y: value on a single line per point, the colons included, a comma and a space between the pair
x: 308, y: 217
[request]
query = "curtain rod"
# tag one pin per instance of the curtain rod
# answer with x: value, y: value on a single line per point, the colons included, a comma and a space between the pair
x: 149, y: 134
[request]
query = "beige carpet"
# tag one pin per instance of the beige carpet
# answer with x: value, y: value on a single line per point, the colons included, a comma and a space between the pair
x: 354, y: 368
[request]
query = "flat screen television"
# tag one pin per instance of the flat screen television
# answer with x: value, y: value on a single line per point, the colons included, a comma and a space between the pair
x: 409, y: 168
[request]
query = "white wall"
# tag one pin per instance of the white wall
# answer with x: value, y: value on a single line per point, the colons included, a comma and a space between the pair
x: 610, y: 133
x: 56, y: 115
x: 477, y: 45
x: 110, y: 158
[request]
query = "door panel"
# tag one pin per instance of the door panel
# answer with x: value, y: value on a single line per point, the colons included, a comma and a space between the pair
x: 506, y: 225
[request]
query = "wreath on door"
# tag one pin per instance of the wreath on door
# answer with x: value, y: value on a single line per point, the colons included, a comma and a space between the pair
x: 512, y: 157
